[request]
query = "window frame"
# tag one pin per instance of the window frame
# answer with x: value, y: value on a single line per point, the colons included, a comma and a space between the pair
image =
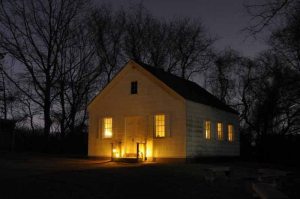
x: 104, y: 136
x: 230, y: 135
x: 164, y: 125
x: 220, y: 133
x: 207, y: 135
x: 134, y: 87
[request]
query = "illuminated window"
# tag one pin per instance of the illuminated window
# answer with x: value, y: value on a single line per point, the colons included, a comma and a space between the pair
x: 107, y: 127
x: 207, y: 129
x: 134, y: 87
x: 230, y: 132
x: 160, y: 126
x: 220, y: 131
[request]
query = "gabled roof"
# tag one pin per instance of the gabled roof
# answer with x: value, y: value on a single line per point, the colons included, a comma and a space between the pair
x: 187, y: 89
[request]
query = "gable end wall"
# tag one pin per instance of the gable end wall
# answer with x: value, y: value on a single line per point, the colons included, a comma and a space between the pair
x: 153, y: 98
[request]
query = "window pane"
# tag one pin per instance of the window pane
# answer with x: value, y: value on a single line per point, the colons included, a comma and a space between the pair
x: 220, y: 131
x: 160, y: 126
x: 230, y: 132
x: 134, y: 87
x: 107, y: 127
x: 207, y: 129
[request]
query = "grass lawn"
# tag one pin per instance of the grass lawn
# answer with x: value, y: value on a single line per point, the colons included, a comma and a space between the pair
x: 33, y: 176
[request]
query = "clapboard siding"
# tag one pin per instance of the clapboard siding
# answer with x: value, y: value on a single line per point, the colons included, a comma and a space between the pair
x: 184, y: 118
x: 197, y: 145
x: 153, y: 98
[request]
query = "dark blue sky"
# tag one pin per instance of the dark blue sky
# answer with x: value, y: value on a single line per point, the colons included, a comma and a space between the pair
x: 223, y: 18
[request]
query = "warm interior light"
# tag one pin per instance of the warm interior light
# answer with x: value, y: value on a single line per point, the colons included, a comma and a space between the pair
x: 107, y: 133
x: 149, y: 147
x: 122, y: 151
x: 160, y: 126
x: 230, y: 133
x: 207, y: 129
x: 107, y: 127
x: 116, y: 153
x: 220, y: 130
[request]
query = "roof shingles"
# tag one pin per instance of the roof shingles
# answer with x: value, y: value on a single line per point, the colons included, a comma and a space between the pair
x: 187, y: 89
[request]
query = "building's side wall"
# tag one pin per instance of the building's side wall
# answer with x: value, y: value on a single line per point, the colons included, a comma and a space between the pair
x: 197, y: 145
x: 152, y: 98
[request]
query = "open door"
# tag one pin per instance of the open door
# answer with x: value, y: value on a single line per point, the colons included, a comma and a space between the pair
x: 134, y: 137
x: 141, y: 148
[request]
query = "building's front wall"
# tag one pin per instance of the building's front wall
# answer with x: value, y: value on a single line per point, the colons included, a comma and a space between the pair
x: 153, y: 98
x: 197, y: 144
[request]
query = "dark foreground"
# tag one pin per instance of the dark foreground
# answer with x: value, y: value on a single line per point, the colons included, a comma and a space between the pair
x: 32, y: 176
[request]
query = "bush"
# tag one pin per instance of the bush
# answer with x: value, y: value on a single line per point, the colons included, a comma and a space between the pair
x: 75, y: 143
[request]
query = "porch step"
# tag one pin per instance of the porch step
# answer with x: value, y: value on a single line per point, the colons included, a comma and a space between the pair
x: 127, y: 160
x: 130, y: 155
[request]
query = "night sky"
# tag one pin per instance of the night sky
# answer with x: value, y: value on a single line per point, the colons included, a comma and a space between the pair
x: 222, y: 18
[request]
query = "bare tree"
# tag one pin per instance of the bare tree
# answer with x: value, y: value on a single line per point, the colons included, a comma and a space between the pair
x: 266, y: 13
x: 28, y: 112
x: 145, y: 38
x: 78, y: 74
x: 139, y: 20
x: 190, y: 47
x: 269, y: 98
x: 156, y: 45
x: 3, y: 98
x: 222, y: 77
x: 108, y: 31
x: 285, y: 40
x: 179, y: 46
x: 34, y: 32
x: 8, y: 95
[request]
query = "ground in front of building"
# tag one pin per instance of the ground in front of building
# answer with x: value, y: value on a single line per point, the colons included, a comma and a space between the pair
x: 39, y: 176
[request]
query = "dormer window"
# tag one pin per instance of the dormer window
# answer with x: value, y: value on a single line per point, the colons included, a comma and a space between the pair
x: 134, y: 87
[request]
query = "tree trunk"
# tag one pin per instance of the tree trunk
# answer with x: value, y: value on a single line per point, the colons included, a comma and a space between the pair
x: 47, y: 118
x: 63, y: 111
x: 72, y: 119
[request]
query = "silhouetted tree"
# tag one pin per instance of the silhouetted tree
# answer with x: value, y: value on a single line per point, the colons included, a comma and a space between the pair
x: 139, y: 21
x: 190, y: 47
x: 3, y: 98
x: 108, y: 29
x: 270, y: 99
x: 266, y: 13
x: 8, y: 96
x: 179, y: 46
x: 271, y: 104
x: 34, y: 33
x: 223, y: 76
x: 285, y: 40
x: 78, y: 72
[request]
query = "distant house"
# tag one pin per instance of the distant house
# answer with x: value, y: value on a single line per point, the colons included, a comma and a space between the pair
x: 149, y: 114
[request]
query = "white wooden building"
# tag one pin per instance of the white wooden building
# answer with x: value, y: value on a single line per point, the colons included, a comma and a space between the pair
x: 152, y: 115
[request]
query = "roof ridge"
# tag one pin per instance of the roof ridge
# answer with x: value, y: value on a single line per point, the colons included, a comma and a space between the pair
x: 190, y: 90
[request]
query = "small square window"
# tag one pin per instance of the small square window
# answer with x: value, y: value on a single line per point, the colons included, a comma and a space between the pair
x: 134, y: 87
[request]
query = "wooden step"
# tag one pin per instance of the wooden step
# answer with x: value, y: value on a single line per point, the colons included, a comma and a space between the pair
x: 128, y: 160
